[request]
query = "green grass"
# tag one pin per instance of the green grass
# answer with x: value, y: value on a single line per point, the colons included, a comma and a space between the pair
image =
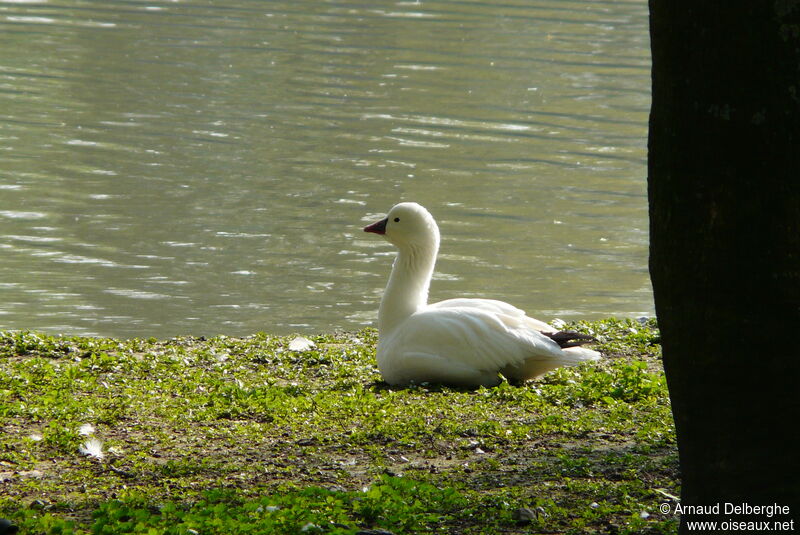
x: 230, y: 435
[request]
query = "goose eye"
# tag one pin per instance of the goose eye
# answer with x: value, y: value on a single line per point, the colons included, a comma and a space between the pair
x: 396, y: 219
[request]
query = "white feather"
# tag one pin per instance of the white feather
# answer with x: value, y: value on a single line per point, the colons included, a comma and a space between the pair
x: 93, y: 447
x: 301, y: 343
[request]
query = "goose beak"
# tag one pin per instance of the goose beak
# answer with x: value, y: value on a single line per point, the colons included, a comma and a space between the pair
x: 379, y: 227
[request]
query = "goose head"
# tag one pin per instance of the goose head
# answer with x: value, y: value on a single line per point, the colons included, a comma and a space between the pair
x: 408, y: 225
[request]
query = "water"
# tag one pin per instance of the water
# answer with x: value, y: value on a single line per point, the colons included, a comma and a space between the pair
x: 206, y: 167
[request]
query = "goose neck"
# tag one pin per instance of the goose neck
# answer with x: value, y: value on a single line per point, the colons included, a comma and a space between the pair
x: 408, y: 286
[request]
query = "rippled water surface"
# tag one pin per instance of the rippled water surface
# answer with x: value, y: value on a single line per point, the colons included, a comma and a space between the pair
x: 186, y: 167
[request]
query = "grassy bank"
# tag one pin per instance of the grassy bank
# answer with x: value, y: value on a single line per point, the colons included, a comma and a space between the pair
x: 245, y: 435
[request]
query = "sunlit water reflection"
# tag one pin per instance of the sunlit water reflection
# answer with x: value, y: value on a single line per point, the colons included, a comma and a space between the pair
x: 200, y: 168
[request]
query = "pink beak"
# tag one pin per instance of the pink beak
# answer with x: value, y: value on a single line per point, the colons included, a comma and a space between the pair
x: 379, y: 227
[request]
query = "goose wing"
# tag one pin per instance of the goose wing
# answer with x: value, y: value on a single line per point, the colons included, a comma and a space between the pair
x: 488, y: 337
x: 494, y: 306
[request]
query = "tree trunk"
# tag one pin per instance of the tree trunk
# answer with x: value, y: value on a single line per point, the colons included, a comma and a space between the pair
x: 724, y: 190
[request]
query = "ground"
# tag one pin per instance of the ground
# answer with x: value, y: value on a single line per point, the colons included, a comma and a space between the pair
x: 246, y: 435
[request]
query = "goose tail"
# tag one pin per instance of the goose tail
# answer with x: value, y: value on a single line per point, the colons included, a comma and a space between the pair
x: 570, y: 343
x: 576, y: 355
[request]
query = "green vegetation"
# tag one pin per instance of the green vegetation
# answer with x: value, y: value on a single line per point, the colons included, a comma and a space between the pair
x: 229, y: 435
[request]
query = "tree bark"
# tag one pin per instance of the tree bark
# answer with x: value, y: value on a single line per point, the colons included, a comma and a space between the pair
x: 724, y: 193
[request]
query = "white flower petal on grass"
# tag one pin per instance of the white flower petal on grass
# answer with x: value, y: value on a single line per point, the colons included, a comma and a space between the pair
x: 86, y: 430
x: 93, y: 448
x: 301, y: 344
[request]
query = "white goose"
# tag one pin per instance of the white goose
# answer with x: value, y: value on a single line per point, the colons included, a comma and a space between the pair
x: 462, y: 342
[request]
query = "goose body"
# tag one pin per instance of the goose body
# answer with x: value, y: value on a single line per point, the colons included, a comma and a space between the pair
x: 462, y: 342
